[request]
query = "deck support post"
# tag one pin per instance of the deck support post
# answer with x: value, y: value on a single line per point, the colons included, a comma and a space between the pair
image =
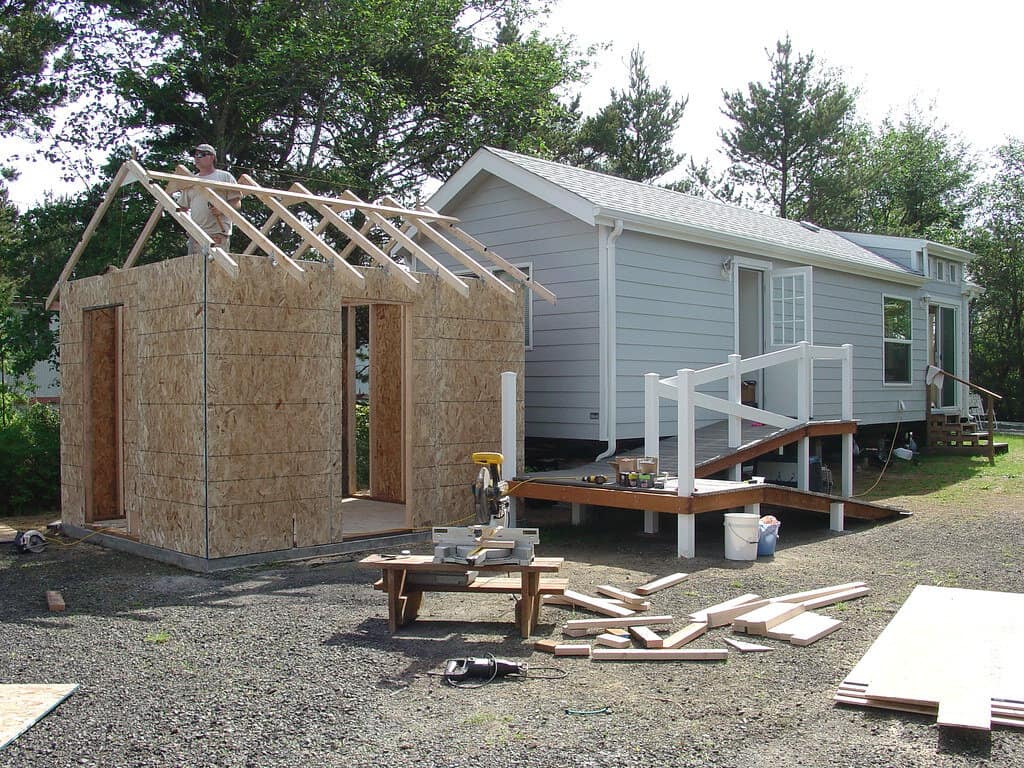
x: 684, y: 431
x: 580, y: 513
x: 509, y: 437
x: 686, y: 546
x: 651, y: 524
x: 803, y: 458
x: 847, y: 414
x: 835, y: 516
x: 847, y: 479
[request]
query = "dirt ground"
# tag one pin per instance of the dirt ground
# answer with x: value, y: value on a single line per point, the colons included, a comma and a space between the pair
x: 293, y: 665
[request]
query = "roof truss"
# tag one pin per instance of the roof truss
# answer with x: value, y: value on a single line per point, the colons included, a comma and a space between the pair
x: 396, y: 224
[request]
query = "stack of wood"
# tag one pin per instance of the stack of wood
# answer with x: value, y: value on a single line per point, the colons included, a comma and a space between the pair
x: 623, y: 634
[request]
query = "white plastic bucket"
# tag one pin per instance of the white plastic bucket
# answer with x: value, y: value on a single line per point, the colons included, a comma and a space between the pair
x: 741, y: 533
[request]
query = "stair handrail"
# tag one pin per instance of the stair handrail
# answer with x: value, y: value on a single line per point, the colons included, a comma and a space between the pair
x: 990, y: 409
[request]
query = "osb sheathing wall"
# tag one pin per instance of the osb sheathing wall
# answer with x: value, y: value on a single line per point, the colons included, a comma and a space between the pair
x: 161, y: 399
x: 272, y: 421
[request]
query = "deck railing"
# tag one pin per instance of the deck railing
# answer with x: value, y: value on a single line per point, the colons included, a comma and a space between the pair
x: 682, y: 389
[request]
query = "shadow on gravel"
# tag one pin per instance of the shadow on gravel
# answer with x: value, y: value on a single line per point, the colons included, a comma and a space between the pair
x: 960, y: 741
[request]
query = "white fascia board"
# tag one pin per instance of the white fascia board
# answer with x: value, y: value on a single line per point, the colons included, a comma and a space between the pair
x: 950, y: 252
x: 755, y: 247
x: 485, y: 161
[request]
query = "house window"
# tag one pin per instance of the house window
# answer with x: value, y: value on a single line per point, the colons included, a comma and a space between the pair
x: 789, y: 308
x: 897, y: 339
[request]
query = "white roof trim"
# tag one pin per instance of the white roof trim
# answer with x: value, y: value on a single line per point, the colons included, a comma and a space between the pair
x: 485, y: 161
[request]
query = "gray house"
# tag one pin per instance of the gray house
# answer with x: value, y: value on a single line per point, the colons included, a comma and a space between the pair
x: 650, y: 280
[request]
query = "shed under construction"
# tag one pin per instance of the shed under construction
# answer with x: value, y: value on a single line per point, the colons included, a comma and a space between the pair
x: 209, y: 401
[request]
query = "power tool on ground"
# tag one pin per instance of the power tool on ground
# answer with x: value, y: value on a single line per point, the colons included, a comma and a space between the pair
x: 489, y: 541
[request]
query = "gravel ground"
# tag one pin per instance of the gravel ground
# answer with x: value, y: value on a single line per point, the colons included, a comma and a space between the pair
x: 293, y: 665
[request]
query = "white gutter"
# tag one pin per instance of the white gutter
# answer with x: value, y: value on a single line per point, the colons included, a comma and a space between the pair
x: 607, y: 331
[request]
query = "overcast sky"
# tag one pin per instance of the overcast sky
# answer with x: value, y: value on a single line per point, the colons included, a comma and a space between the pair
x: 964, y: 57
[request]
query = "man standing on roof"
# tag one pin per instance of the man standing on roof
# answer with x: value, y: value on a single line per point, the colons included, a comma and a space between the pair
x: 210, y: 219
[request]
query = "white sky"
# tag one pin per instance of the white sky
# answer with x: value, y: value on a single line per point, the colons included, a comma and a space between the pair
x: 966, y: 57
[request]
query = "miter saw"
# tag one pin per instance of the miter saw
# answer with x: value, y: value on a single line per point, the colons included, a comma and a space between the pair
x: 488, y: 542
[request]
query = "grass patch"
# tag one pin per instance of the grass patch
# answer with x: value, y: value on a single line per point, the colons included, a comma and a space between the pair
x: 158, y: 638
x: 948, y: 478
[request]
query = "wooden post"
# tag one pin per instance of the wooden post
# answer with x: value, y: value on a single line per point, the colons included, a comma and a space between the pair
x: 509, y: 436
x: 847, y: 414
x: 991, y: 432
x: 684, y: 429
x: 652, y: 430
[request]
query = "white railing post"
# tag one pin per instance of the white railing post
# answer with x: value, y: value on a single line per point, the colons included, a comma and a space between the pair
x: 847, y: 415
x: 652, y: 414
x: 684, y: 428
x: 803, y: 383
x: 735, y: 422
x: 509, y: 436
x: 652, y: 436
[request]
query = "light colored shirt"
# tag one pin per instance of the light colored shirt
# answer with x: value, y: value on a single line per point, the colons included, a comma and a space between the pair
x: 201, y: 212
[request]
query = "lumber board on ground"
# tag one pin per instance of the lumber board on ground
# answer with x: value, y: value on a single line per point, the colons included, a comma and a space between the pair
x: 810, y: 594
x: 622, y: 595
x: 54, y: 601
x: 547, y: 646
x: 971, y: 653
x: 837, y: 597
x: 659, y: 654
x: 804, y: 629
x: 661, y: 583
x: 744, y: 647
x: 613, y: 621
x: 595, y: 604
x: 742, y: 600
x: 720, y: 617
x: 1009, y: 714
x: 7, y: 534
x: 647, y: 637
x: 609, y: 640
x: 24, y: 705
x: 760, y: 620
x: 687, y: 634
x: 572, y: 649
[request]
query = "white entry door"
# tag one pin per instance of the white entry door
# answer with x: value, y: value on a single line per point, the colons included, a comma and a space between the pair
x: 789, y: 309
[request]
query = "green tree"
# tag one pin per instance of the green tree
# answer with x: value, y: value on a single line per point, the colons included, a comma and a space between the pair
x: 918, y: 178
x: 29, y: 38
x: 791, y: 135
x: 632, y: 135
x: 997, y: 351
x: 372, y: 95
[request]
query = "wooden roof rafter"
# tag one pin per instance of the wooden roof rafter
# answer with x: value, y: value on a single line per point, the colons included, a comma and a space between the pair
x: 389, y: 217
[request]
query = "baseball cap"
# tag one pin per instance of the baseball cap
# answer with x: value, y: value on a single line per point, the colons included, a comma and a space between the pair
x: 205, y: 148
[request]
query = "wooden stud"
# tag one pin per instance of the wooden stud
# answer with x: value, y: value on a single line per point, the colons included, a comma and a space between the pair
x: 54, y: 601
x: 744, y: 647
x: 597, y: 605
x: 572, y: 649
x: 687, y: 634
x: 647, y: 636
x: 804, y: 629
x: 628, y: 621
x: 723, y: 613
x: 547, y: 646
x: 659, y: 584
x: 760, y: 620
x: 659, y: 654
x: 800, y: 597
x: 628, y: 598
x: 609, y: 640
x: 838, y: 597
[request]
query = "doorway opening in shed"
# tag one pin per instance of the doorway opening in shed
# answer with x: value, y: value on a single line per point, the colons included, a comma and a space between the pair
x: 375, y: 411
x: 102, y: 341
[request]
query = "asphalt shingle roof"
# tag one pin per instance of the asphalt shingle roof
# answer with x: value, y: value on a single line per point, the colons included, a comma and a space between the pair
x: 632, y: 198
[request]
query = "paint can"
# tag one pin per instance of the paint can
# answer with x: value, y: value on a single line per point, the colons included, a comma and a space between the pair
x: 741, y: 535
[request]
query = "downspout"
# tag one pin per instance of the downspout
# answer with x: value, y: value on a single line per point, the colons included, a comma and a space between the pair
x: 607, y: 329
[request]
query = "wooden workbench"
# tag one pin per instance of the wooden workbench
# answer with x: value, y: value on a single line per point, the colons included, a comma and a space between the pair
x: 404, y: 597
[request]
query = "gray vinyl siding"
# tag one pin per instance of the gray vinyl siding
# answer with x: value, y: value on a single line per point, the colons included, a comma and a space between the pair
x: 902, y: 257
x: 848, y: 310
x: 562, y: 373
x: 673, y: 310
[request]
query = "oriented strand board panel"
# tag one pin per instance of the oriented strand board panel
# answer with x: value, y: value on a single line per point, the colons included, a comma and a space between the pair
x: 954, y: 649
x: 387, y: 454
x: 22, y: 706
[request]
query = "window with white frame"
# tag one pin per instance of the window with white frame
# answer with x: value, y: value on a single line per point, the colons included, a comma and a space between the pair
x: 789, y: 308
x: 897, y: 339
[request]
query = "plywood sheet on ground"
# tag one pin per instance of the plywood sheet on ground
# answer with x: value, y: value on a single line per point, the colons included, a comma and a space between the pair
x: 22, y: 706
x: 946, y: 648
